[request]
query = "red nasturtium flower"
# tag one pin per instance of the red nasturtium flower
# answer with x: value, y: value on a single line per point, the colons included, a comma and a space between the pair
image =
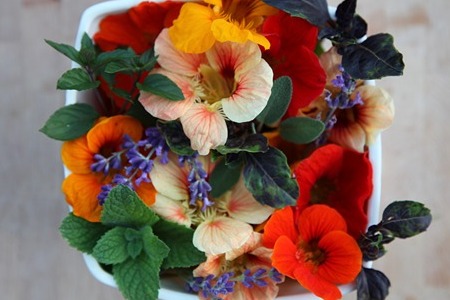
x: 136, y: 28
x: 314, y: 248
x: 340, y: 178
x: 83, y: 186
x: 293, y: 56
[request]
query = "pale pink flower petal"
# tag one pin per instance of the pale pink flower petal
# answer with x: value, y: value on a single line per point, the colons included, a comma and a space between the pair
x: 377, y: 112
x: 252, y: 243
x: 174, y: 60
x: 238, y: 57
x: 241, y: 205
x: 253, y: 90
x: 212, y: 265
x: 170, y: 179
x: 221, y: 234
x: 166, y: 109
x: 350, y: 135
x: 205, y: 127
x: 171, y: 210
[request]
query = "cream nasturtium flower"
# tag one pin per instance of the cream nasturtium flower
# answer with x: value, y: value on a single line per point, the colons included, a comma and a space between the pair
x: 199, y: 26
x: 229, y: 82
x: 220, y: 227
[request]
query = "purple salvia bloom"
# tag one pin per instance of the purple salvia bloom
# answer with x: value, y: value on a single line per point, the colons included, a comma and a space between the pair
x: 275, y: 275
x: 105, y: 189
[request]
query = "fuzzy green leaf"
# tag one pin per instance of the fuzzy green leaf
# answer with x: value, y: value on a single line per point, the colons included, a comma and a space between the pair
x: 268, y: 177
x: 161, y: 85
x: 80, y: 233
x: 70, y: 122
x: 123, y: 207
x: 374, y: 58
x: 252, y: 143
x: 178, y: 238
x: 138, y: 278
x: 112, y: 247
x: 223, y: 178
x: 301, y: 130
x: 278, y: 102
x: 67, y: 50
x: 315, y: 11
x: 406, y: 218
x: 76, y: 79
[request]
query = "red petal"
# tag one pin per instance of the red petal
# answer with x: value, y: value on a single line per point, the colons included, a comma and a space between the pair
x: 281, y: 223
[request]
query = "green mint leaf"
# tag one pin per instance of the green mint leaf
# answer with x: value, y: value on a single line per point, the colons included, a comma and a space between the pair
x: 406, y: 218
x: 372, y: 285
x: 88, y: 53
x: 315, y: 11
x: 67, y: 50
x: 104, y: 58
x: 178, y: 238
x: 112, y: 248
x: 138, y: 278
x: 123, y: 207
x: 301, y: 130
x: 135, y: 242
x: 268, y: 177
x: 374, y: 58
x: 80, y: 233
x: 119, y: 66
x: 161, y: 85
x: 70, y: 122
x: 153, y: 246
x: 147, y: 60
x: 278, y: 102
x: 76, y: 79
x: 223, y: 178
x: 175, y: 138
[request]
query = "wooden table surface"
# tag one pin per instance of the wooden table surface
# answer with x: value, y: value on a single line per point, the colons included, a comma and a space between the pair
x: 36, y: 264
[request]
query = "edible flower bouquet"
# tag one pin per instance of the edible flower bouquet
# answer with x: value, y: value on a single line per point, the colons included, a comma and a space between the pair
x: 228, y: 145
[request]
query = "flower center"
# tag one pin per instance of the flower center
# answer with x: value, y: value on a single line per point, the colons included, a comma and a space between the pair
x: 321, y: 190
x: 242, y: 12
x: 310, y: 252
x: 216, y: 86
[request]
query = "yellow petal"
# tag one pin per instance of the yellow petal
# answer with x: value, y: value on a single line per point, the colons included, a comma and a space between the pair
x: 191, y: 31
x: 224, y: 31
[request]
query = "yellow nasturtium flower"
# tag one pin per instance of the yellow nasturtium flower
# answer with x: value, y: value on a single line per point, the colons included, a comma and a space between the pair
x: 199, y: 26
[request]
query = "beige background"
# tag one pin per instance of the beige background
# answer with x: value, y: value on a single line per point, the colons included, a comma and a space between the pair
x: 36, y: 264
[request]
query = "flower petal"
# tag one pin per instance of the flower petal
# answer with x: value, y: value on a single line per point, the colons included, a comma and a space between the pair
x: 81, y: 193
x: 171, y: 210
x: 241, y: 205
x: 252, y: 243
x: 225, y: 31
x: 76, y: 156
x: 110, y: 132
x: 377, y: 112
x: 318, y: 220
x: 191, y: 31
x: 221, y: 234
x: 284, y: 256
x: 251, y: 95
x: 165, y: 109
x: 170, y: 179
x: 343, y: 258
x: 205, y: 127
x: 316, y: 284
x: 171, y: 58
x: 281, y: 223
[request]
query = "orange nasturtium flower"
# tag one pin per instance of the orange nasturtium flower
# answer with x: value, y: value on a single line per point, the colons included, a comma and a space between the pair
x: 83, y: 185
x: 314, y: 248
x: 199, y: 26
